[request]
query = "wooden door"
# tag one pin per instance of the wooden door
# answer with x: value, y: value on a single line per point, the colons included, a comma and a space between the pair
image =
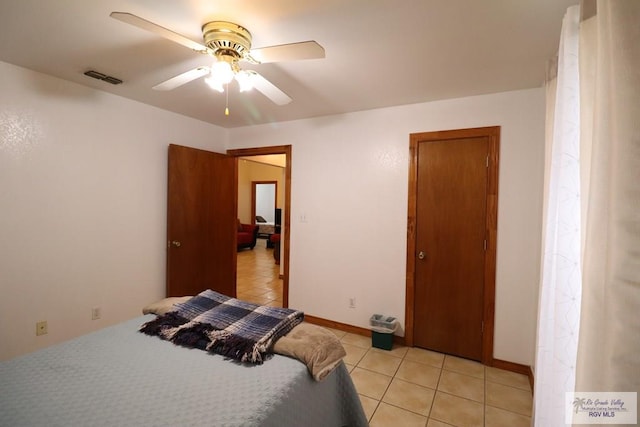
x: 201, y: 222
x: 451, y: 237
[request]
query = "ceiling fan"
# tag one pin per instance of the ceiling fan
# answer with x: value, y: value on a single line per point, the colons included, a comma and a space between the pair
x: 228, y: 44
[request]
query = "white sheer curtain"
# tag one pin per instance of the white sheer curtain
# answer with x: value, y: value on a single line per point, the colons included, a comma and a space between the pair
x: 589, y: 312
x: 609, y: 344
x: 559, y: 305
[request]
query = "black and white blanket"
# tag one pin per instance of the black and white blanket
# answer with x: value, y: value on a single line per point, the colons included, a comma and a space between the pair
x: 220, y: 324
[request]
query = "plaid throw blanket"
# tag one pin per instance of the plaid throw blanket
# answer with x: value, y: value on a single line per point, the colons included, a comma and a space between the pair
x: 219, y: 324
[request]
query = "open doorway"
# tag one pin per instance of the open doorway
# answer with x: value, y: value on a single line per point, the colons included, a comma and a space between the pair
x: 282, y: 205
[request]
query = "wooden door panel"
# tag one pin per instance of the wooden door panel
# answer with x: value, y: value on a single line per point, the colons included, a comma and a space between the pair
x: 201, y: 222
x: 451, y: 231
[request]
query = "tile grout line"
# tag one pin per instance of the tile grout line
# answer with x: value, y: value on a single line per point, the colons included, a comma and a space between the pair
x: 436, y: 392
x: 484, y: 406
x: 388, y: 385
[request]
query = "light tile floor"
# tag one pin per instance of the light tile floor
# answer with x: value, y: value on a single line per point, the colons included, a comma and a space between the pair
x: 406, y: 386
x: 257, y: 276
x: 417, y: 387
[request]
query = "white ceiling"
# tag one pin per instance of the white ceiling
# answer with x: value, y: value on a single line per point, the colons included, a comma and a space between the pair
x: 379, y: 53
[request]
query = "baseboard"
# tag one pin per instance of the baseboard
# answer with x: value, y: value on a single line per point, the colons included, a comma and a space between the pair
x: 514, y: 367
x: 346, y: 328
x: 337, y: 325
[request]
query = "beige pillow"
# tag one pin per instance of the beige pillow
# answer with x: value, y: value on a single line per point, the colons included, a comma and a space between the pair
x: 164, y: 305
x: 313, y: 345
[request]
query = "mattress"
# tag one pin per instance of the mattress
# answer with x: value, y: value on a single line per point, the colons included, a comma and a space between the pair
x: 266, y: 228
x: 119, y: 376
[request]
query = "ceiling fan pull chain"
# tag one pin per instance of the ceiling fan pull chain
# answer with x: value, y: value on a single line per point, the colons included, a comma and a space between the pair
x: 226, y: 108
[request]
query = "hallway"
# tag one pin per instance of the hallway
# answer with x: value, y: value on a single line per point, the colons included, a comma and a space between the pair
x: 257, y: 277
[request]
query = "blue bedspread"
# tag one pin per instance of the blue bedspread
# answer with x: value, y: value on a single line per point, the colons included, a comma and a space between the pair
x: 120, y: 377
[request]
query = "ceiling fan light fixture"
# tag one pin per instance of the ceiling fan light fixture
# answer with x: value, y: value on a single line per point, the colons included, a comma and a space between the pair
x: 214, y: 84
x: 245, y: 80
x: 222, y: 72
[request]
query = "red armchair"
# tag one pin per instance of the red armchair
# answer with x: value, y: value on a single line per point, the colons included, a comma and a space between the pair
x: 247, y: 235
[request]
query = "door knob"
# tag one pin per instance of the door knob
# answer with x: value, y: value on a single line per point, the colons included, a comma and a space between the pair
x: 176, y: 243
x: 421, y: 255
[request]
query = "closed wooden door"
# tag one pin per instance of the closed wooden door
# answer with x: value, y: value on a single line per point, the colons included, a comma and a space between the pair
x: 201, y: 222
x: 451, y: 236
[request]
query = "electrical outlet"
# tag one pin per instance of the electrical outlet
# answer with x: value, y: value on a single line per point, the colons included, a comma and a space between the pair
x: 352, y: 303
x: 41, y: 328
x: 95, y: 313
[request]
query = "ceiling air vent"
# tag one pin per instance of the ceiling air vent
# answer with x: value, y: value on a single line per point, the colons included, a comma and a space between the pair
x: 100, y: 76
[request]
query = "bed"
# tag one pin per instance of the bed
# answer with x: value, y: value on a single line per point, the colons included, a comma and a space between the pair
x: 266, y: 229
x: 119, y: 376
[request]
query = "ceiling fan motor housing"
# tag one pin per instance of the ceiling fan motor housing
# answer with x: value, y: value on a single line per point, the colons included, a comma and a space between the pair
x: 227, y: 38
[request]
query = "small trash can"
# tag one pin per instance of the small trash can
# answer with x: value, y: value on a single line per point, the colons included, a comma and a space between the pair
x: 382, y: 330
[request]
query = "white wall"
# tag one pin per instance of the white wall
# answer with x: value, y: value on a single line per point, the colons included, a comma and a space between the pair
x: 83, y: 205
x: 350, y: 181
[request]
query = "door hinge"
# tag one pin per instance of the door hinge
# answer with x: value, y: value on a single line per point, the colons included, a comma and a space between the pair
x: 485, y: 244
x: 482, y: 327
x: 487, y: 160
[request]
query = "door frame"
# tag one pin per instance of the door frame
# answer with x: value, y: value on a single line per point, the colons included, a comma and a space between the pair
x: 488, y: 310
x: 262, y: 151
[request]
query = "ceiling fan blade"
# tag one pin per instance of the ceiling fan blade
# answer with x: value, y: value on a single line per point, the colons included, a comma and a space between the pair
x: 288, y: 52
x: 269, y: 90
x: 183, y: 78
x: 157, y: 29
